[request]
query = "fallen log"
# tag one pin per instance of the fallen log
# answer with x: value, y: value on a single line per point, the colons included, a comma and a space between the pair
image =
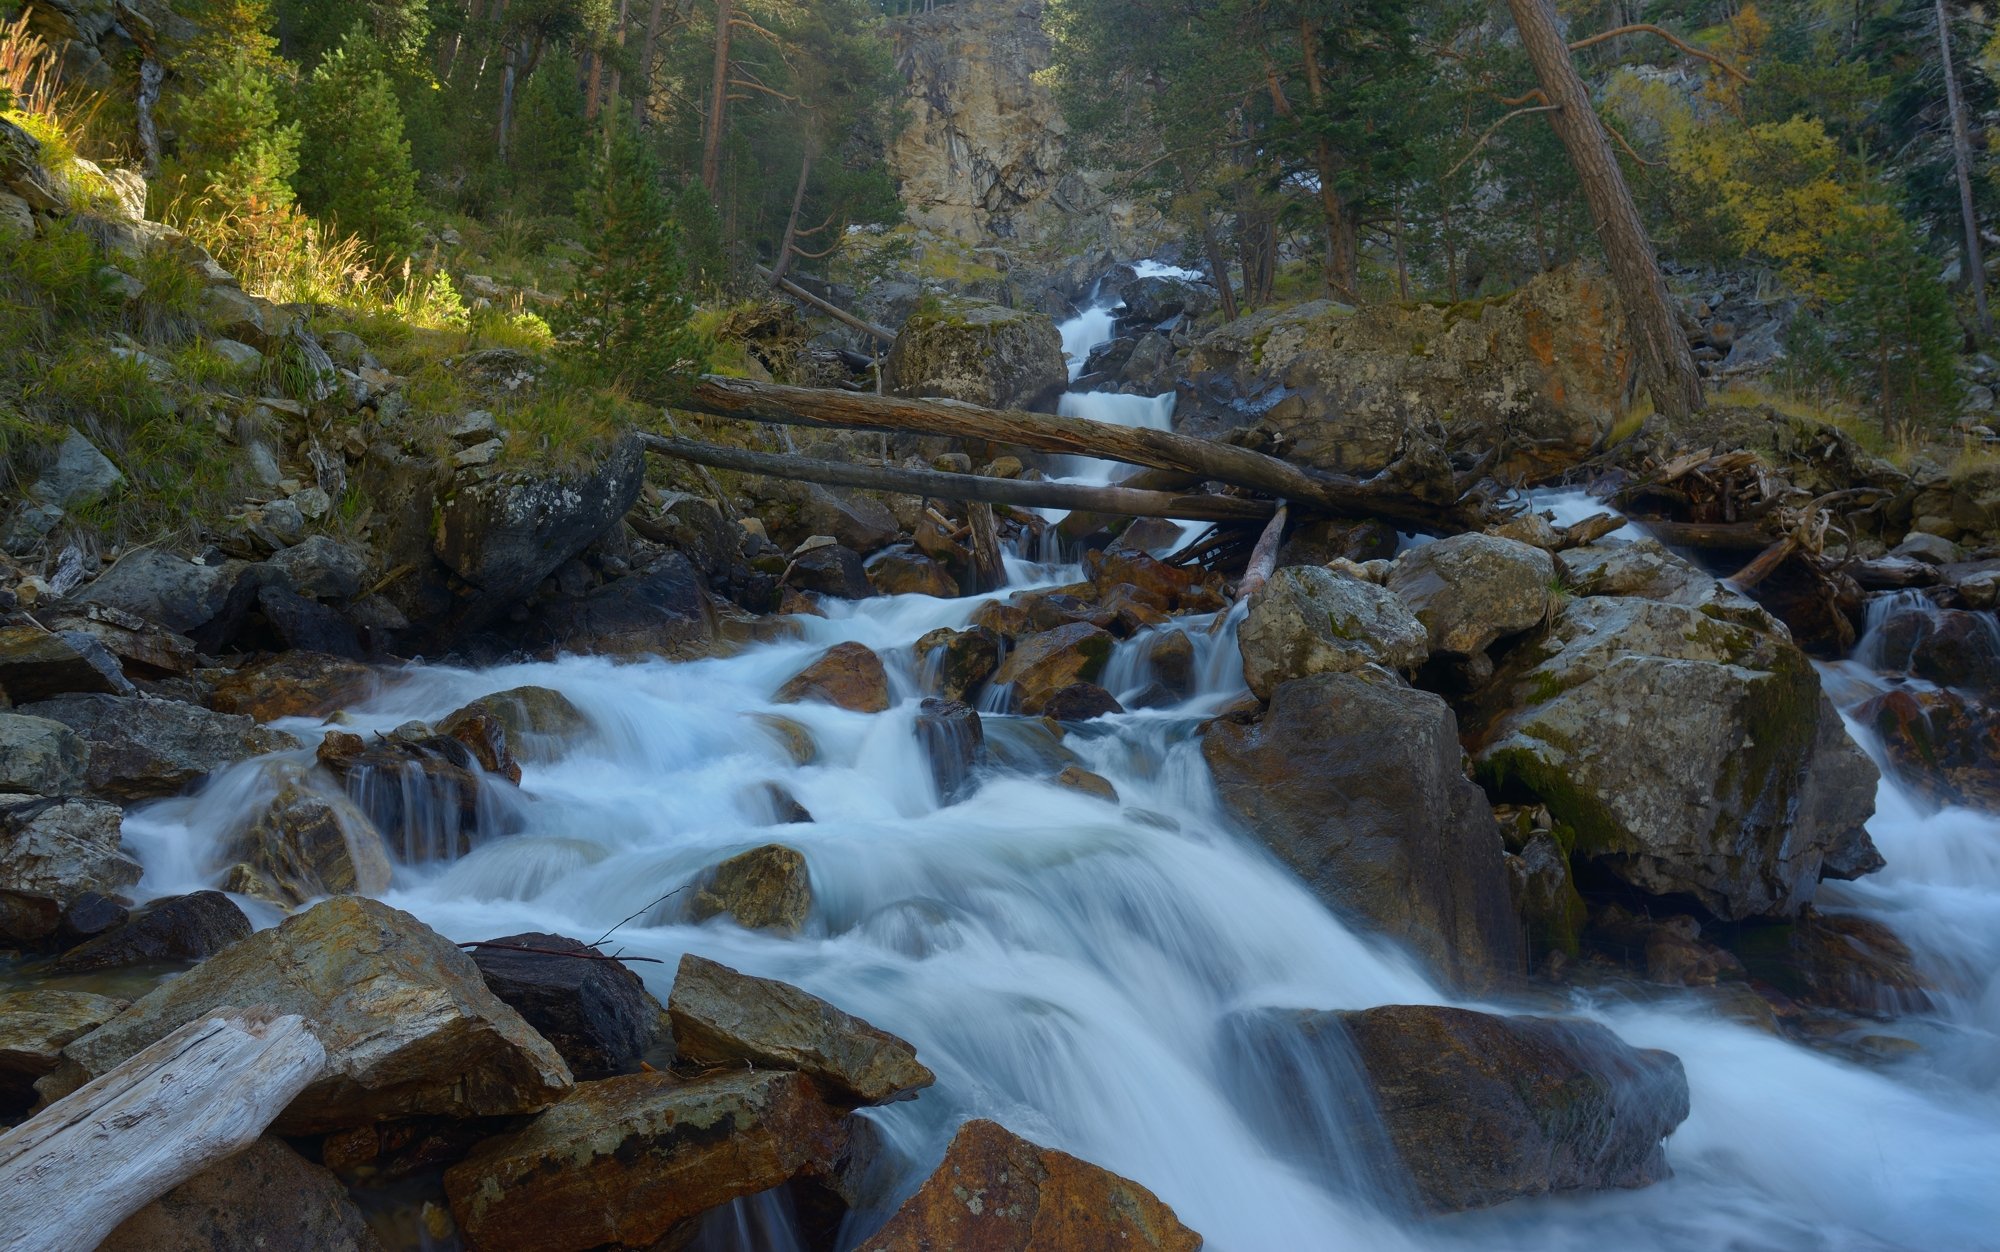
x: 1076, y: 436
x: 827, y: 307
x: 989, y: 572
x: 1263, y: 563
x: 1718, y: 536
x: 1120, y: 501
x: 73, y: 1172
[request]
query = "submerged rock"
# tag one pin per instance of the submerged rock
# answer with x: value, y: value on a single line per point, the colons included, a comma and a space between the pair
x: 962, y: 659
x: 1939, y: 744
x: 722, y: 1017
x: 307, y: 842
x: 954, y: 741
x: 1309, y: 620
x: 849, y: 675
x: 627, y: 1160
x: 1483, y: 1109
x: 266, y: 1198
x: 767, y: 888
x: 593, y: 1009
x: 996, y: 1192
x: 541, y: 724
x: 407, y: 1021
x: 1354, y: 781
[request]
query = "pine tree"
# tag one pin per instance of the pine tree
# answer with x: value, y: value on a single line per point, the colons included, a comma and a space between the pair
x: 234, y: 154
x: 355, y: 168
x: 1892, y: 321
x: 627, y: 320
x: 551, y: 156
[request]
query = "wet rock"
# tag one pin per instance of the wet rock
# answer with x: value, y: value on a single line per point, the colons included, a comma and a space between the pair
x: 980, y: 353
x: 1483, y: 1109
x: 185, y: 928
x: 1080, y: 702
x: 784, y: 807
x: 1939, y: 744
x: 160, y: 587
x: 142, y: 747
x: 540, y: 724
x: 423, y: 789
x: 293, y: 684
x: 694, y: 526
x: 88, y: 916
x: 799, y: 511
x: 902, y: 571
x: 661, y: 610
x: 504, y: 535
x: 408, y: 1024
x: 143, y: 649
x: 321, y: 567
x: 1950, y: 647
x: 831, y: 570
x: 63, y: 847
x: 35, y: 1026
x: 1839, y: 961
x: 1738, y: 785
x: 1354, y: 781
x: 723, y: 1018
x: 1168, y: 588
x: 1309, y: 620
x: 593, y: 1009
x: 962, y: 659
x: 849, y: 675
x: 1042, y: 664
x: 1471, y: 590
x: 1667, y: 948
x: 266, y: 1198
x: 1545, y: 897
x: 1077, y: 778
x: 627, y: 1160
x: 996, y: 1192
x: 29, y: 919
x: 794, y: 737
x: 306, y: 842
x: 765, y: 888
x: 954, y: 742
x: 36, y: 664
x: 40, y: 757
x: 1157, y: 297
x: 1171, y: 654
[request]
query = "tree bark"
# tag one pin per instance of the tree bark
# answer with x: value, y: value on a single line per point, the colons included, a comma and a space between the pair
x: 73, y: 1172
x: 718, y: 100
x: 642, y: 100
x: 1157, y: 449
x: 970, y: 488
x: 1961, y: 153
x: 1343, y: 243
x: 1665, y: 362
x: 506, y: 102
x: 989, y: 570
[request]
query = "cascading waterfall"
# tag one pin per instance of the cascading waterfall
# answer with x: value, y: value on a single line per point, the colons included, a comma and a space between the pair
x: 1083, y: 971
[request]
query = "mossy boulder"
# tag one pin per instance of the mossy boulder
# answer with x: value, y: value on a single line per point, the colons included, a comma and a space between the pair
x: 1308, y: 620
x: 980, y: 353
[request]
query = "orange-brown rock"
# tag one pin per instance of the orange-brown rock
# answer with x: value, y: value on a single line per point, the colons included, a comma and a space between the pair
x: 293, y: 684
x: 766, y: 888
x: 847, y: 674
x: 1169, y: 588
x: 996, y: 1192
x: 627, y: 1160
x: 1043, y: 664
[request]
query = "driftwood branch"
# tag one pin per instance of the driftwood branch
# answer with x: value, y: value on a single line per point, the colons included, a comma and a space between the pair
x: 827, y: 307
x: 1076, y: 436
x: 73, y: 1172
x: 1263, y: 562
x: 1118, y: 501
x: 1647, y: 28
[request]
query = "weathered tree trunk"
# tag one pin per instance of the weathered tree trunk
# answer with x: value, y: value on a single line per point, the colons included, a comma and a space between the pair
x: 834, y: 311
x: 791, y: 239
x: 73, y: 1172
x: 970, y: 488
x: 618, y: 63
x: 1961, y: 153
x: 1076, y: 436
x: 1665, y: 362
x: 506, y: 103
x: 989, y: 573
x: 1343, y: 242
x: 1219, y: 266
x: 718, y: 99
x: 1263, y: 563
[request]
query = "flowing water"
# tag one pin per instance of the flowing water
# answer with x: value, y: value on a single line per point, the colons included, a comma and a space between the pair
x: 1080, y: 970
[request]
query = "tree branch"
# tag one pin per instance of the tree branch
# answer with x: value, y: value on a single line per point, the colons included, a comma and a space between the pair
x: 1647, y: 28
x: 1481, y: 142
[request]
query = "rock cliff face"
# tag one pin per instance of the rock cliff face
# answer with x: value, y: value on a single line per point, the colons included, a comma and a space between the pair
x: 985, y: 157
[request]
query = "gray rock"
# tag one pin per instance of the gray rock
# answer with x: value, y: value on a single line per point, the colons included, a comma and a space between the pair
x: 1159, y: 297
x: 721, y: 1017
x: 980, y: 353
x: 409, y: 1026
x: 266, y: 1198
x: 1930, y: 549
x: 661, y: 610
x: 63, y: 847
x: 80, y: 474
x: 17, y: 220
x: 167, y: 589
x: 141, y: 746
x: 321, y: 567
x: 36, y: 664
x: 595, y: 1012
x: 40, y: 757
x: 238, y: 354
x: 1471, y: 590
x: 1308, y: 620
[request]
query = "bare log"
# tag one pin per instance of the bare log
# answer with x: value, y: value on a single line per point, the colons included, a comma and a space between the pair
x: 73, y: 1172
x: 1077, y: 436
x: 1119, y: 501
x: 1589, y: 530
x: 1263, y: 561
x: 1765, y: 563
x: 1079, y: 524
x: 827, y: 307
x: 1718, y: 536
x: 989, y: 573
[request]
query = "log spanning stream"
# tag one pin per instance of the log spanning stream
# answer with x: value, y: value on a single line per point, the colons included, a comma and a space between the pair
x: 1072, y: 967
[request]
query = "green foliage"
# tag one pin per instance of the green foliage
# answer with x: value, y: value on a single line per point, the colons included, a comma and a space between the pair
x: 233, y: 151
x: 551, y: 155
x: 627, y: 321
x: 311, y: 29
x: 1891, y: 323
x: 355, y: 167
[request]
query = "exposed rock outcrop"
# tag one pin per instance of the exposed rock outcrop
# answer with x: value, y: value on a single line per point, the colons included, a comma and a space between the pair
x: 980, y: 353
x: 142, y: 747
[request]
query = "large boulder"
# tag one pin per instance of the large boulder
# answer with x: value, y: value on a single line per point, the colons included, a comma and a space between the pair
x: 627, y: 1160
x: 1354, y: 781
x: 996, y: 1192
x: 1042, y: 664
x: 1308, y: 620
x: 142, y: 747
x: 1483, y: 1109
x: 170, y: 590
x: 1687, y: 748
x: 502, y: 536
x: 849, y: 675
x: 595, y: 1011
x: 266, y: 1198
x: 172, y: 929
x: 765, y: 888
x: 409, y: 1026
x: 721, y: 1017
x: 661, y: 610
x: 1471, y: 590
x: 40, y: 757
x: 1541, y: 375
x: 540, y: 724
x: 980, y: 353
x: 957, y: 663
x: 143, y: 649
x: 62, y: 847
x: 306, y: 841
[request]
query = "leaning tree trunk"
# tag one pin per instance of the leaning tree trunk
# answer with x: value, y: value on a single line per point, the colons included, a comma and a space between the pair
x: 1961, y: 152
x: 1665, y: 362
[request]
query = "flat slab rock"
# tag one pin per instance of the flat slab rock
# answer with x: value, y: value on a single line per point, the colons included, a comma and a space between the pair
x: 997, y: 1192
x: 723, y: 1017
